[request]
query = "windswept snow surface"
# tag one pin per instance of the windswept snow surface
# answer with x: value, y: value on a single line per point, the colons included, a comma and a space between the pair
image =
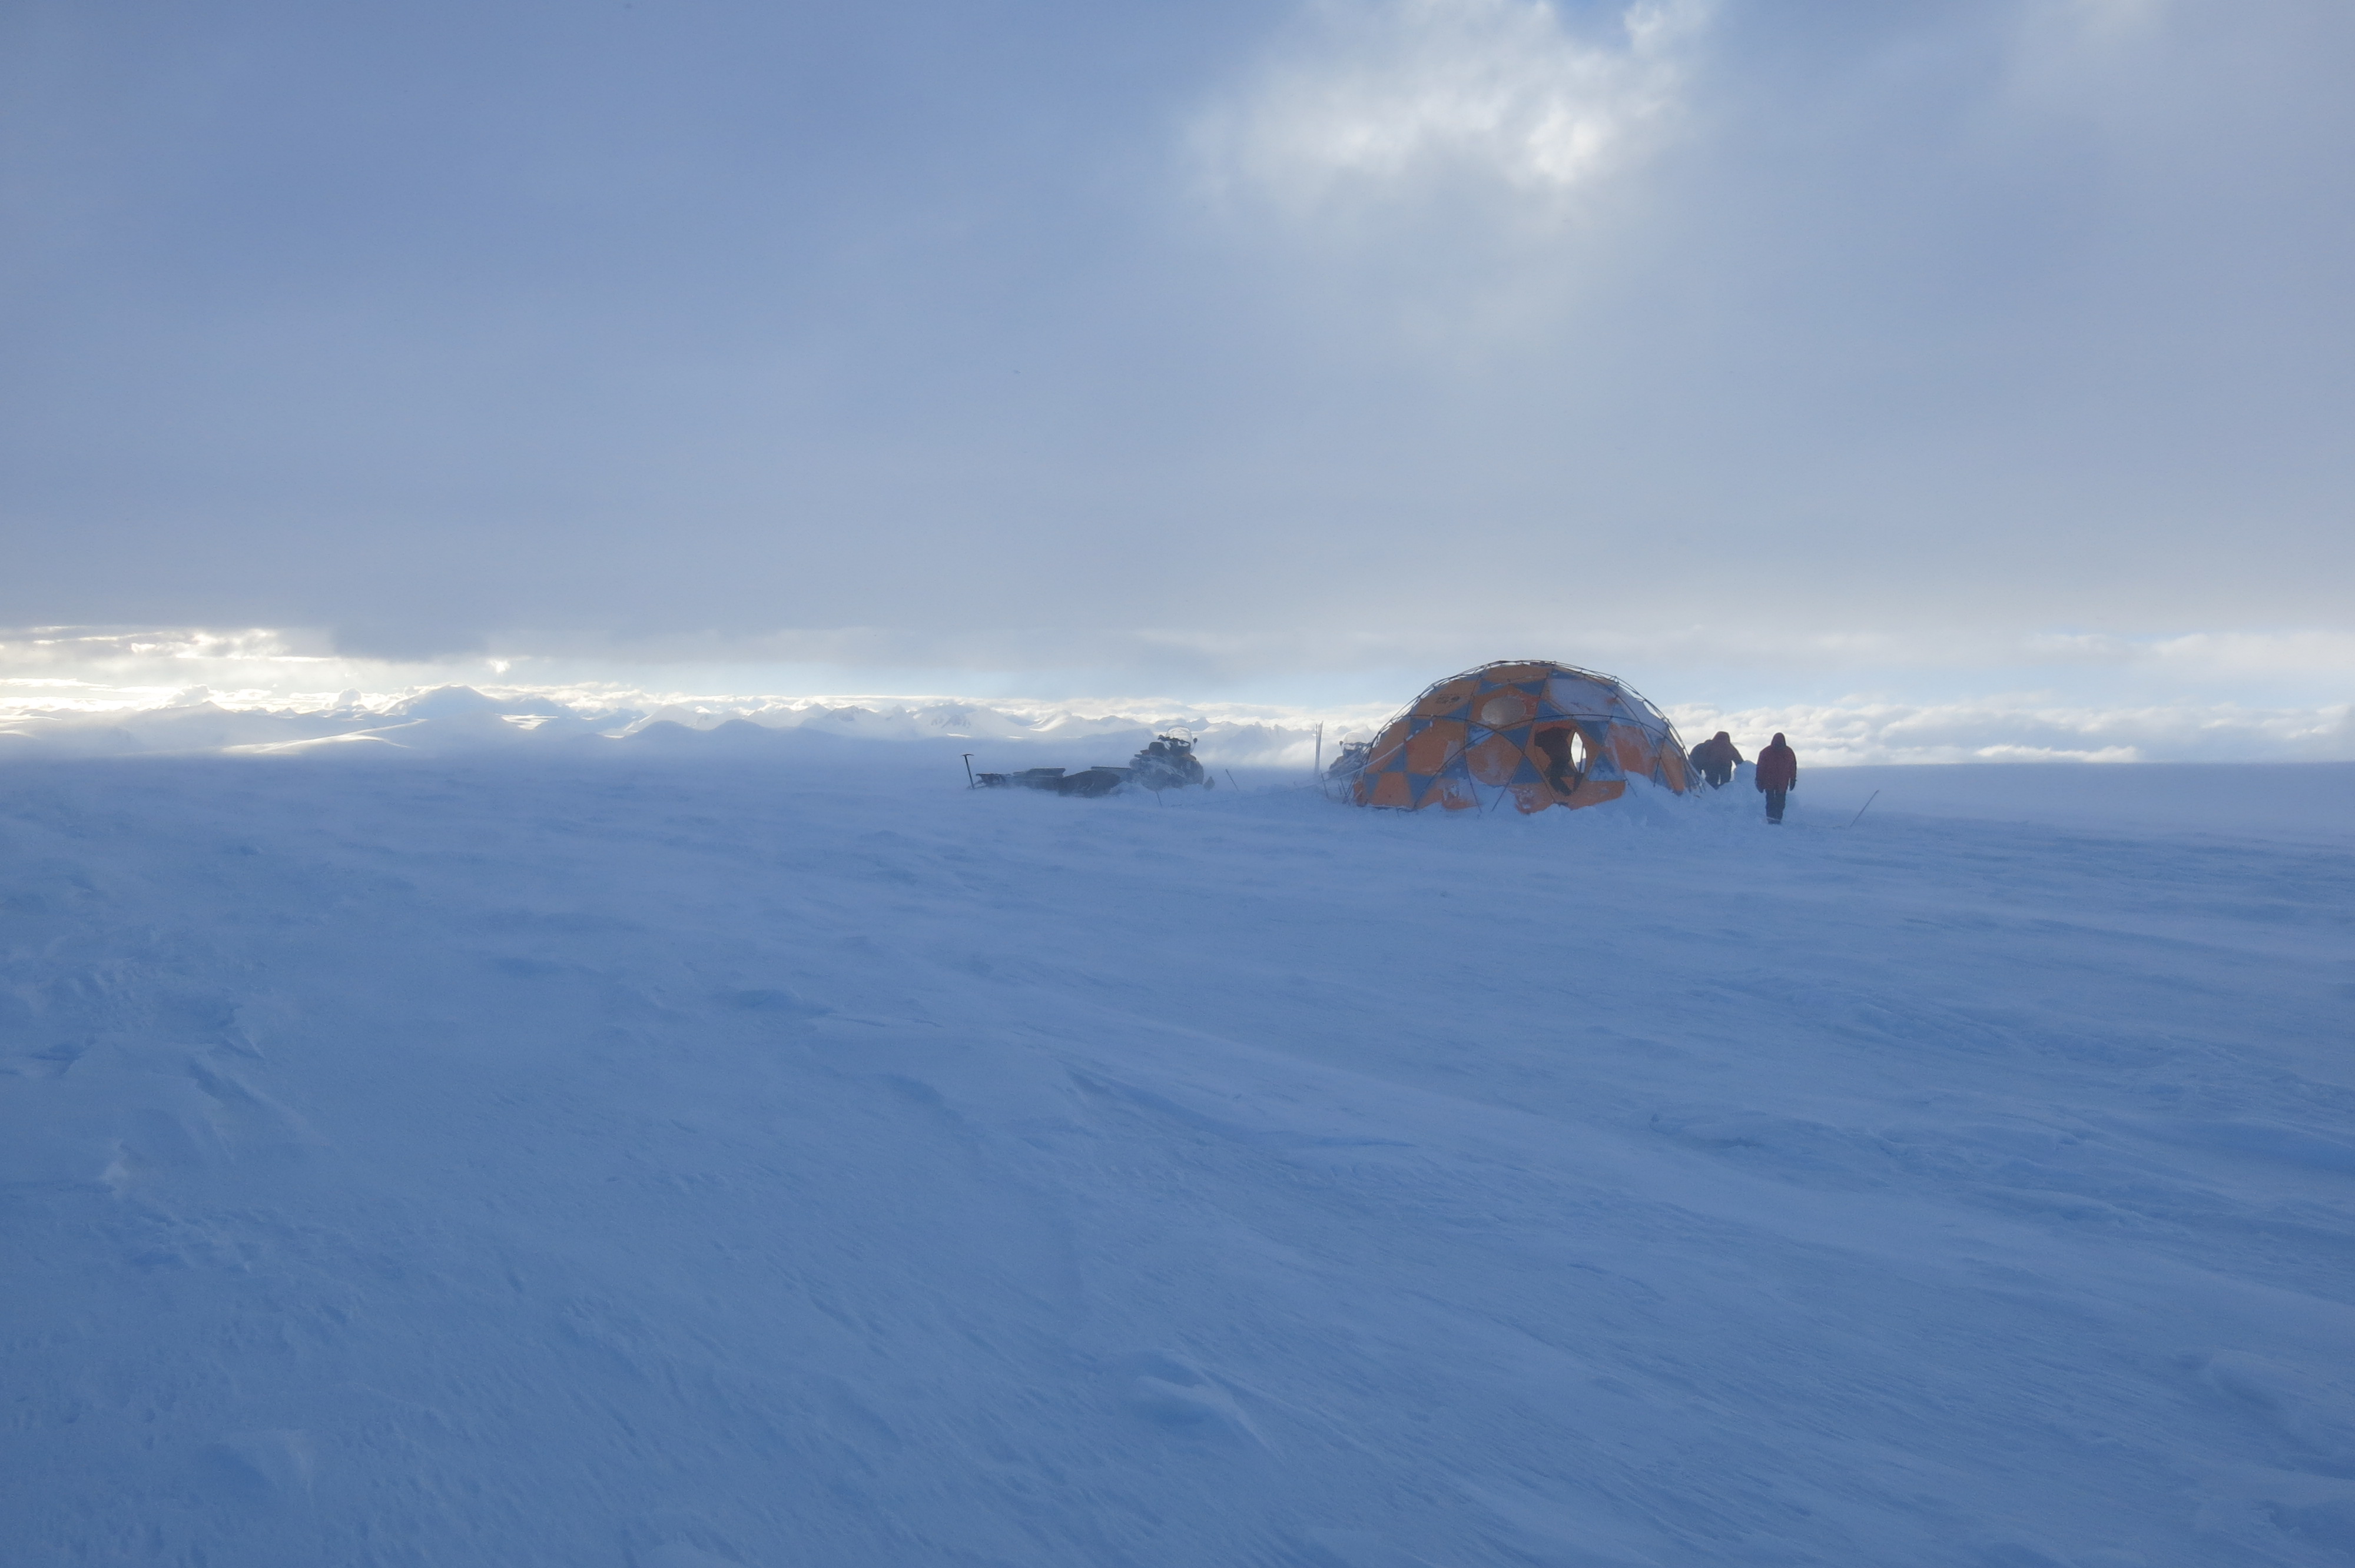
x: 702, y: 1154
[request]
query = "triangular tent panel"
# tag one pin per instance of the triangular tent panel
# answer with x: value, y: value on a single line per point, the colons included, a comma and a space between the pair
x: 1537, y: 735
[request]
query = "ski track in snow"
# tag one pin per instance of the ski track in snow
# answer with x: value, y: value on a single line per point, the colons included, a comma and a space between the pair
x: 786, y: 1160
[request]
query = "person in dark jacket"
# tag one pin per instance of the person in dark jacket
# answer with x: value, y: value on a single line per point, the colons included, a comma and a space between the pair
x: 1717, y: 759
x: 1777, y: 775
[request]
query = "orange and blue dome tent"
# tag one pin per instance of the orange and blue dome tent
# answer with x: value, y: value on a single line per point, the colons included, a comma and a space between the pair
x: 1541, y: 734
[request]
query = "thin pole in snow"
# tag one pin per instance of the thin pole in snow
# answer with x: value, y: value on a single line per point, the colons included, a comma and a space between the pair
x: 1860, y: 810
x: 968, y: 770
x: 1230, y: 778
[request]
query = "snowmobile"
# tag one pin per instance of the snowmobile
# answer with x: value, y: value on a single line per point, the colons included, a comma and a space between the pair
x: 1168, y: 763
x: 1340, y: 777
x: 1351, y: 762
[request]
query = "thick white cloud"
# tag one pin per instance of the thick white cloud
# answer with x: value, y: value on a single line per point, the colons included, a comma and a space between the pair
x: 2031, y: 727
x: 1372, y: 97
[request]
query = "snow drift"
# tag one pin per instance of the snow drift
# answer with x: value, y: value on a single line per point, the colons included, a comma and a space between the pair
x: 735, y: 1154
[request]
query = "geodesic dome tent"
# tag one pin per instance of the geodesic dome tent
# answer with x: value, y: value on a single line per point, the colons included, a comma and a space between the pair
x: 1543, y: 735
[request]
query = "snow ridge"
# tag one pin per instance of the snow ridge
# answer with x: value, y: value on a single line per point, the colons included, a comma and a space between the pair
x: 498, y: 1158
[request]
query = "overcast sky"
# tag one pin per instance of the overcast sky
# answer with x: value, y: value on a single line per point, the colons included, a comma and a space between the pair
x: 1200, y: 345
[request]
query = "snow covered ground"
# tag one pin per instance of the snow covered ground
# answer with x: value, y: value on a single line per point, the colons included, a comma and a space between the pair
x: 755, y: 1149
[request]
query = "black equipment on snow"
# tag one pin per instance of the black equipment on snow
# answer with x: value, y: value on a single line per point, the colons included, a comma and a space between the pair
x: 1352, y: 760
x: 1168, y: 763
x: 1087, y: 784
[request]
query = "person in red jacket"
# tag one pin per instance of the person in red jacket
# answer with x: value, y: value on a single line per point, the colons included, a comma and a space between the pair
x: 1777, y: 776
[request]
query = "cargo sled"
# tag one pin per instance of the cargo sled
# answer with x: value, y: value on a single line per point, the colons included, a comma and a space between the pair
x: 1168, y: 763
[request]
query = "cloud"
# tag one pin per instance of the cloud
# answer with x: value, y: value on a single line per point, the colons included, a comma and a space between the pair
x: 1383, y: 97
x: 1994, y: 729
x: 2225, y: 655
x: 1755, y: 352
x: 1381, y: 659
x: 135, y: 690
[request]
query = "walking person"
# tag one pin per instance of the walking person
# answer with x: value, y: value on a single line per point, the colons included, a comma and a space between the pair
x: 1777, y: 776
x: 1717, y: 759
